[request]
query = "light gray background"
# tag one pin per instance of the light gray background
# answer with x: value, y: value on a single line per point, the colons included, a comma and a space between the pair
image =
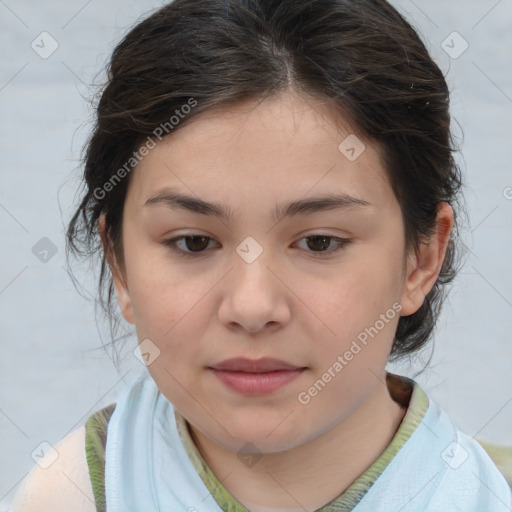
x: 53, y: 372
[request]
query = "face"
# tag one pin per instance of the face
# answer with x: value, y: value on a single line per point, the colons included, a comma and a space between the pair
x: 301, y: 288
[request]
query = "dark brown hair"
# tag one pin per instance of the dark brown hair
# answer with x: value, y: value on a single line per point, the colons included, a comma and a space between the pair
x: 360, y: 55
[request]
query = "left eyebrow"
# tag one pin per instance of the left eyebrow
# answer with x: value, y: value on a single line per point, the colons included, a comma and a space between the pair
x: 174, y: 200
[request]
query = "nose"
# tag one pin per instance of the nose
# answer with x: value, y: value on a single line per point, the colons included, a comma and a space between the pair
x: 254, y: 297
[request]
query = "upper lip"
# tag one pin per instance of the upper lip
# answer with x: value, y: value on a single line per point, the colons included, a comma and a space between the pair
x: 265, y: 364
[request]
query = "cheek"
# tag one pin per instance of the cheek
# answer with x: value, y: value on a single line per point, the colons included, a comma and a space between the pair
x: 352, y: 298
x: 357, y: 307
x: 162, y: 297
x: 169, y: 311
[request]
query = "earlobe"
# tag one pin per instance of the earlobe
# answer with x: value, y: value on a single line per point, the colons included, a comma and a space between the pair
x: 124, y: 300
x: 412, y: 295
x: 119, y: 280
x: 424, y: 267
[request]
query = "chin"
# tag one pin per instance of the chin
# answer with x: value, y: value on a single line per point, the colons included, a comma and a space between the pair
x: 263, y: 440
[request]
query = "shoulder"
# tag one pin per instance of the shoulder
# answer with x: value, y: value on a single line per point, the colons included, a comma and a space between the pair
x: 64, y: 485
x: 471, y: 478
x: 446, y: 469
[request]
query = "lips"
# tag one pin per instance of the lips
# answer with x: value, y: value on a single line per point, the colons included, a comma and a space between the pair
x: 255, y: 377
x: 263, y: 365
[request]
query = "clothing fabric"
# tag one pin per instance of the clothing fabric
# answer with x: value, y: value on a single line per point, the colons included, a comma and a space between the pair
x: 95, y: 442
x: 152, y: 464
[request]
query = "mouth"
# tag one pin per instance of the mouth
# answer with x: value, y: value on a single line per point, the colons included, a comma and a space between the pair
x: 263, y: 365
x: 255, y: 377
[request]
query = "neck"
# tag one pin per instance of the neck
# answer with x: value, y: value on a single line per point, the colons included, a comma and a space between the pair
x: 310, y: 475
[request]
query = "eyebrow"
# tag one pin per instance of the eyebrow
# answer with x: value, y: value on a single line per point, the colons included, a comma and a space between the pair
x: 175, y: 200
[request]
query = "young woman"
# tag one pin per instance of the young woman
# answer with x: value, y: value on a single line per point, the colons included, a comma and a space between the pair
x: 275, y: 192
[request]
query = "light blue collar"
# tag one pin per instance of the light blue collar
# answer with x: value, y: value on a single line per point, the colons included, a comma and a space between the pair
x: 147, y: 468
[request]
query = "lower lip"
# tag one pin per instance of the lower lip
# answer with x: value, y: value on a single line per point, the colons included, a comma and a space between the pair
x: 256, y: 383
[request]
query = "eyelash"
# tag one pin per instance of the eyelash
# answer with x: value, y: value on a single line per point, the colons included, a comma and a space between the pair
x: 171, y: 244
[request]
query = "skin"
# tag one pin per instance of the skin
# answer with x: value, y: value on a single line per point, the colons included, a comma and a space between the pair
x: 289, y: 303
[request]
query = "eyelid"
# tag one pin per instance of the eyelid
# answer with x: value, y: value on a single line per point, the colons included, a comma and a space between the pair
x: 341, y: 241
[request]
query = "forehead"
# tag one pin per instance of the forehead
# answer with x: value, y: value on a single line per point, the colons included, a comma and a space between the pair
x: 259, y: 152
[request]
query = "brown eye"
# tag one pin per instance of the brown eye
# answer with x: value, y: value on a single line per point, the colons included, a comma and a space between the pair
x: 196, y: 243
x: 193, y: 244
x: 319, y: 244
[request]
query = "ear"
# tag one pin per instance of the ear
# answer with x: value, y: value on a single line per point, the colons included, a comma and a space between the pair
x: 423, y: 267
x: 119, y: 278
